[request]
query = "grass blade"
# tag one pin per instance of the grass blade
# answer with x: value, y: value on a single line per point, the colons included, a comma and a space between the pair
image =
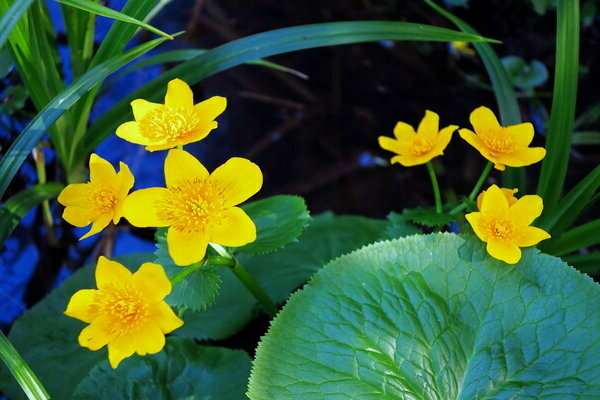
x: 562, y: 115
x: 29, y: 137
x: 267, y: 44
x: 10, y: 17
x: 98, y: 9
x: 588, y: 263
x: 18, y: 205
x: 21, y: 371
x: 508, y: 106
x: 578, y: 238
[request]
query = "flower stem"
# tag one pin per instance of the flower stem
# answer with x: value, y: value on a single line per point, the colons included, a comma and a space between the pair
x: 218, y: 260
x: 40, y: 167
x: 482, y: 177
x: 263, y: 298
x: 436, y: 187
x: 21, y: 371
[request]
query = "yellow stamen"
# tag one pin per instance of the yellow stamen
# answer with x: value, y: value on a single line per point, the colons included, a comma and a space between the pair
x: 170, y: 123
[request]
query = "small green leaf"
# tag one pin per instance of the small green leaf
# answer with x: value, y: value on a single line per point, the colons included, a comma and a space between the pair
x: 399, y: 226
x: 428, y: 217
x: 196, y: 291
x: 525, y: 76
x: 279, y: 220
x: 183, y: 370
x: 14, y: 99
x: 434, y: 317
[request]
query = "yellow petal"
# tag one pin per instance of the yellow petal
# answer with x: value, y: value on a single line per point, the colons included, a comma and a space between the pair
x: 404, y: 131
x: 119, y: 349
x: 238, y: 180
x: 142, y: 107
x: 471, y: 138
x: 131, y: 132
x: 429, y: 125
x: 392, y: 145
x: 508, y: 193
x: 526, y: 209
x: 101, y: 170
x: 210, y: 109
x: 97, y: 226
x: 186, y: 248
x: 179, y: 94
x: 504, y: 251
x: 232, y: 227
x: 126, y: 181
x: 483, y: 119
x: 78, y: 216
x: 75, y: 194
x: 522, y: 134
x: 475, y: 219
x: 530, y: 236
x: 410, y: 161
x: 181, y: 166
x: 149, y: 339
x: 523, y: 157
x: 151, y: 280
x: 111, y: 273
x: 494, y: 202
x: 142, y: 207
x: 197, y: 135
x: 443, y: 139
x: 79, y: 305
x: 96, y: 335
x: 164, y: 316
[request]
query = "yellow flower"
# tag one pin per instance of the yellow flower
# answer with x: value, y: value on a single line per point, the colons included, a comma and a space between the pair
x: 198, y: 207
x: 462, y: 48
x: 126, y: 312
x: 502, y: 145
x: 505, y: 227
x: 414, y: 148
x: 100, y: 200
x: 508, y: 193
x: 177, y: 122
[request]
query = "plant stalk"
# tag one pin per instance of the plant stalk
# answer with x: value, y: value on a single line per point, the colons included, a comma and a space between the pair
x: 436, y: 187
x: 247, y: 280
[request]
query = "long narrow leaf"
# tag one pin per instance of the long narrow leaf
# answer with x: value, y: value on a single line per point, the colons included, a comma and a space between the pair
x: 31, y: 135
x: 18, y: 205
x: 578, y: 238
x: 21, y: 371
x: 562, y: 115
x: 10, y: 18
x: 98, y: 9
x: 506, y: 98
x: 588, y: 263
x: 267, y: 44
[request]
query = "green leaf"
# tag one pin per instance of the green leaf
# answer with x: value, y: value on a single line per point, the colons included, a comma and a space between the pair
x: 586, y: 138
x: 583, y: 236
x: 98, y: 9
x: 564, y: 97
x: 14, y: 99
x: 33, y: 132
x: 183, y: 370
x: 279, y: 220
x: 428, y: 217
x: 197, y: 290
x: 587, y: 262
x: 47, y: 339
x: 434, y: 317
x: 6, y: 62
x: 18, y: 205
x: 525, y: 76
x: 280, y: 272
x: 506, y: 98
x: 399, y: 226
x: 264, y: 45
x: 10, y: 16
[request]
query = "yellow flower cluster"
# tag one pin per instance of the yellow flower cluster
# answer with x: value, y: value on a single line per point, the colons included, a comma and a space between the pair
x: 127, y: 312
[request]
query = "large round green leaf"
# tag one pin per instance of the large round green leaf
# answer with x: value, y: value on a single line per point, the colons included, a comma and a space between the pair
x: 435, y: 318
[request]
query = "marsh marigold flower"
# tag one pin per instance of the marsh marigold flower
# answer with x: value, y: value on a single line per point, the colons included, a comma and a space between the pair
x: 414, y: 148
x: 198, y: 207
x: 100, y: 200
x: 505, y: 227
x: 508, y: 193
x: 177, y: 122
x: 462, y: 48
x: 127, y: 312
x: 502, y: 145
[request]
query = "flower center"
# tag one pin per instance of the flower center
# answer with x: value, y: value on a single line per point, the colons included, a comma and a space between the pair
x: 170, y: 123
x: 420, y: 147
x: 501, y: 229
x: 190, y: 206
x: 497, y: 141
x: 122, y: 306
x: 104, y: 199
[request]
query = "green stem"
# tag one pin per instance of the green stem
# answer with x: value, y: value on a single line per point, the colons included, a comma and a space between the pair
x: 214, y: 260
x: 21, y: 371
x: 40, y: 167
x: 263, y: 298
x: 436, y: 187
x: 479, y: 184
